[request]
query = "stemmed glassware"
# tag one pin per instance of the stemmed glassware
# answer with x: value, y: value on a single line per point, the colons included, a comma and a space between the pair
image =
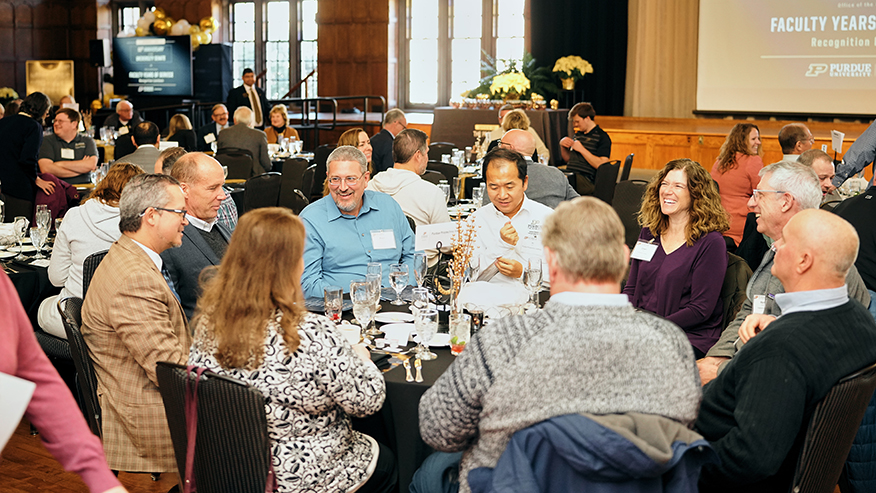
x: 532, y: 279
x: 420, y: 268
x: 426, y: 321
x: 374, y: 282
x: 43, y: 217
x: 363, y: 303
x: 456, y: 186
x: 19, y: 228
x: 38, y: 238
x: 398, y: 278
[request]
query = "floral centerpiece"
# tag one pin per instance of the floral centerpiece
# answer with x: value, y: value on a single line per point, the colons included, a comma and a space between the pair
x: 463, y: 250
x: 571, y: 69
x: 522, y: 82
x: 7, y: 94
x: 509, y: 86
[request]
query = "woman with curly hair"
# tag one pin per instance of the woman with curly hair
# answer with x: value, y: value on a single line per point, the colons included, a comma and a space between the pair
x: 736, y: 171
x: 680, y: 259
x: 251, y: 325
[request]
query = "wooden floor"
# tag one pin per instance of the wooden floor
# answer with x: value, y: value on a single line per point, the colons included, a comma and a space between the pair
x: 27, y: 467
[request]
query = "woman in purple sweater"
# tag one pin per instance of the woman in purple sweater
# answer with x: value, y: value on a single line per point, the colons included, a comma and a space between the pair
x: 680, y: 259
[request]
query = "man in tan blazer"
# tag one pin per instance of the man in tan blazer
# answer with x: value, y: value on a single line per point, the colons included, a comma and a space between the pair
x: 132, y: 319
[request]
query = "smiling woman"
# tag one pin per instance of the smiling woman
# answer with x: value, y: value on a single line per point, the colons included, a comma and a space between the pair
x: 680, y: 259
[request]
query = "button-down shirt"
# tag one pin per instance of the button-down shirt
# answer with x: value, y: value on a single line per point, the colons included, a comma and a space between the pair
x: 860, y: 154
x: 200, y: 223
x: 490, y: 246
x: 810, y: 301
x: 152, y: 255
x: 339, y: 246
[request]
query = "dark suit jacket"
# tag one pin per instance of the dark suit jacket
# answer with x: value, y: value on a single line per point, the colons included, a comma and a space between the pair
x: 144, y: 157
x: 202, y: 133
x: 237, y: 97
x: 19, y: 148
x: 113, y: 121
x: 253, y: 140
x: 186, y: 263
x: 381, y: 154
x: 185, y: 139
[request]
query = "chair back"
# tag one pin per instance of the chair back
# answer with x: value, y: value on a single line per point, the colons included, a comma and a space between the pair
x: 626, y: 202
x: 293, y: 177
x: 437, y: 149
x: 733, y: 290
x: 433, y: 176
x: 320, y: 158
x: 628, y: 165
x: 448, y: 170
x: 86, y: 380
x: 89, y: 266
x: 606, y: 180
x: 830, y: 205
x: 262, y: 191
x: 307, y: 181
x: 238, y: 161
x: 830, y: 432
x: 232, y: 448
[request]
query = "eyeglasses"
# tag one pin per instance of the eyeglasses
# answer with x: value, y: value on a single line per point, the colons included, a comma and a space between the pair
x: 180, y: 212
x: 351, y: 181
x: 504, y: 144
x: 757, y: 192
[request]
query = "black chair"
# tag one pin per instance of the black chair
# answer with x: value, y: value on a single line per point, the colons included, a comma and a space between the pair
x: 262, y: 191
x: 238, y: 161
x: 606, y: 180
x: 298, y: 202
x: 733, y: 290
x: 412, y: 223
x: 448, y: 170
x: 830, y: 432
x: 628, y: 165
x: 89, y: 265
x: 232, y: 448
x: 307, y: 182
x: 86, y: 379
x: 320, y: 156
x: 437, y: 149
x: 627, y: 202
x: 293, y: 177
x: 433, y: 176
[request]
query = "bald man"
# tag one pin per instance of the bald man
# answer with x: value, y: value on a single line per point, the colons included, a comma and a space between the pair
x: 547, y: 184
x: 757, y: 409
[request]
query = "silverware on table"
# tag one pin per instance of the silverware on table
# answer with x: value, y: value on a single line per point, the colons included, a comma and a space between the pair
x: 419, y: 366
x: 408, y: 376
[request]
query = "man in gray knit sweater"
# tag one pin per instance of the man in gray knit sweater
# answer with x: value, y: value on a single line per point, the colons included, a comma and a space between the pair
x: 588, y: 351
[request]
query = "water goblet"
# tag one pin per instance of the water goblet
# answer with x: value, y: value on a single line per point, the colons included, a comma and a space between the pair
x: 426, y: 322
x: 38, y: 237
x: 333, y: 299
x: 19, y: 228
x: 398, y: 279
x: 456, y: 187
x: 374, y: 281
x: 532, y: 278
x: 444, y: 187
x: 420, y: 268
x: 363, y: 304
x: 43, y: 217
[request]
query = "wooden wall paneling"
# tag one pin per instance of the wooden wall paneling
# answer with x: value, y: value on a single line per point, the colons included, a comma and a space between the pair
x: 7, y: 72
x: 23, y: 15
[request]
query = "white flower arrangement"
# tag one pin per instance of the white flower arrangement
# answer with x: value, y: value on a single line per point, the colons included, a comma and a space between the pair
x: 8, y: 93
x: 503, y: 84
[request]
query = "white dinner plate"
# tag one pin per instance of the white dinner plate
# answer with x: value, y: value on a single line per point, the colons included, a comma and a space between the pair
x: 24, y: 249
x: 439, y: 340
x: 393, y: 317
x: 5, y: 254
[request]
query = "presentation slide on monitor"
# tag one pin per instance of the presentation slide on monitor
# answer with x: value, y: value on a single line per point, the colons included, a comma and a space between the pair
x: 787, y: 56
x: 153, y: 66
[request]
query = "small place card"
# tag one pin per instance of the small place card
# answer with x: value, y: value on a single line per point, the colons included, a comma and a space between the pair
x: 836, y: 140
x: 428, y: 235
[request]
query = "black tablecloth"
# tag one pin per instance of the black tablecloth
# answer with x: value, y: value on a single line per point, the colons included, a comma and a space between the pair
x: 456, y: 126
x: 33, y: 286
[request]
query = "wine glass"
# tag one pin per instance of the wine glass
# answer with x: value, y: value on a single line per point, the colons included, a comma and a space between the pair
x: 19, y: 228
x: 456, y: 186
x: 426, y: 321
x: 420, y: 268
x: 532, y: 279
x: 38, y: 237
x: 363, y: 304
x: 94, y: 176
x: 444, y: 187
x: 374, y: 281
x: 398, y: 279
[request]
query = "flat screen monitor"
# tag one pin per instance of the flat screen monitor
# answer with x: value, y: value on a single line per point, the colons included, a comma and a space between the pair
x: 153, y: 66
x: 787, y: 56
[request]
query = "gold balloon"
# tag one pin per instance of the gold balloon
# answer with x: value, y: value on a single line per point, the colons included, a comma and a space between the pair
x: 196, y: 41
x: 194, y: 30
x: 140, y: 31
x: 204, y: 38
x: 209, y: 24
x: 160, y: 27
x: 159, y: 13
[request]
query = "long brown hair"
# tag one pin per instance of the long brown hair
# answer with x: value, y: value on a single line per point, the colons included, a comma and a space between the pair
x: 109, y: 190
x: 706, y: 213
x: 257, y: 276
x: 737, y: 141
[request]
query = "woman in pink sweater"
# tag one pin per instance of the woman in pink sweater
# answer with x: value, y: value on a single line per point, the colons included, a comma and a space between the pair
x: 52, y: 409
x: 736, y: 171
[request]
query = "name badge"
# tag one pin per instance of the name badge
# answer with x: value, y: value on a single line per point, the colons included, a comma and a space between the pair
x: 123, y: 131
x: 210, y: 138
x: 382, y: 239
x: 67, y: 154
x: 644, y: 251
x: 759, y: 305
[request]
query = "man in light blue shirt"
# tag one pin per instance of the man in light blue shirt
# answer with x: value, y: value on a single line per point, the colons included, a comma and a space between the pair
x: 351, y: 227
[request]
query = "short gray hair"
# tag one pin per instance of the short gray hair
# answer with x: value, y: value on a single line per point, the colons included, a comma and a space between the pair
x: 142, y: 192
x: 809, y: 157
x: 243, y: 115
x: 393, y: 116
x: 797, y: 179
x: 347, y: 153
